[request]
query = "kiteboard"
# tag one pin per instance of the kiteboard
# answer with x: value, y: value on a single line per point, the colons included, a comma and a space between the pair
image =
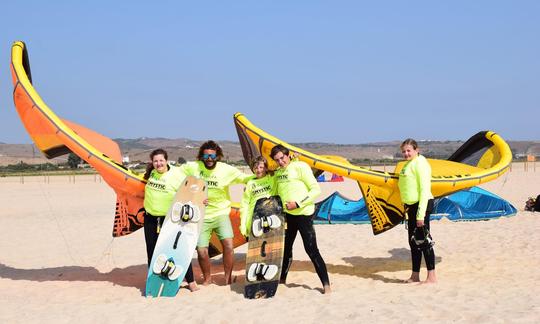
x: 265, y: 250
x: 177, y: 239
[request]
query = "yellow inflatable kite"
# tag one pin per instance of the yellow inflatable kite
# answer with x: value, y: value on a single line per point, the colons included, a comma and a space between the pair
x: 484, y: 157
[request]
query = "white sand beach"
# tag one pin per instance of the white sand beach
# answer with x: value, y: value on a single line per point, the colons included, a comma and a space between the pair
x: 60, y: 264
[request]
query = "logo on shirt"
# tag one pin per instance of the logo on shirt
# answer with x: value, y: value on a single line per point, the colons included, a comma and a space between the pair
x: 155, y: 185
x: 210, y: 179
x: 261, y: 190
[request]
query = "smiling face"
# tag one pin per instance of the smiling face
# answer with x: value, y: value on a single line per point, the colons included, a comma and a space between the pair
x: 260, y: 170
x: 209, y: 158
x: 160, y: 163
x: 409, y: 152
x: 282, y: 159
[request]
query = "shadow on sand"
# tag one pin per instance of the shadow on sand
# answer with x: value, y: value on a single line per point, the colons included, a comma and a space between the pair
x: 132, y: 276
x: 357, y: 266
x: 368, y: 268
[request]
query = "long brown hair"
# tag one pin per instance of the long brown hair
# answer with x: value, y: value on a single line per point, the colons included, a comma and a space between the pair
x: 150, y: 165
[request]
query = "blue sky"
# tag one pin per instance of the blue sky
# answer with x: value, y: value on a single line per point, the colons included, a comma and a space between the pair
x: 304, y: 71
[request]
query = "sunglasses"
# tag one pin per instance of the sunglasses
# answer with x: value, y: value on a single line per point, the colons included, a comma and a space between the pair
x: 212, y: 156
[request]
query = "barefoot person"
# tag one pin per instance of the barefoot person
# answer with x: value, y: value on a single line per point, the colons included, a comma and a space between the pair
x: 163, y: 181
x: 218, y: 176
x: 298, y: 188
x: 415, y: 190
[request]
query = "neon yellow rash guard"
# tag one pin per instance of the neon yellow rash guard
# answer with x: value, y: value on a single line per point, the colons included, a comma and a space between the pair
x: 297, y: 183
x: 415, y: 184
x: 255, y: 189
x: 218, y: 181
x: 160, y: 190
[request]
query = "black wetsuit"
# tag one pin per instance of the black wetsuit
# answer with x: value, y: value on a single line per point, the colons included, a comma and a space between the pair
x: 416, y: 254
x: 304, y: 225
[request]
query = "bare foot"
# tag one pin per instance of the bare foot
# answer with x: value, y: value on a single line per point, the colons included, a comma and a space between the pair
x: 415, y: 277
x: 431, y: 277
x: 232, y: 279
x: 192, y: 286
x: 207, y: 282
x: 327, y: 290
x: 428, y: 282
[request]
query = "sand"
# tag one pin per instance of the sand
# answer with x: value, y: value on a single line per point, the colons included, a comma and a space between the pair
x: 59, y: 264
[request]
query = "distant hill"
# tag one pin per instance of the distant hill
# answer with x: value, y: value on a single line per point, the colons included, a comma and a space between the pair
x: 139, y: 149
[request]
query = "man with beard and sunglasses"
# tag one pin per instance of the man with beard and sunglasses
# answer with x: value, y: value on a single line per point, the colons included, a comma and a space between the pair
x: 218, y: 176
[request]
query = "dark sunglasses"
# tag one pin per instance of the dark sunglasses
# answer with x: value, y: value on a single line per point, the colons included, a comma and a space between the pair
x: 212, y: 156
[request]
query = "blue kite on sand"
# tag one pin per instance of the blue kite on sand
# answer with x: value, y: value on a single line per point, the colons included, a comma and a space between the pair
x: 466, y: 205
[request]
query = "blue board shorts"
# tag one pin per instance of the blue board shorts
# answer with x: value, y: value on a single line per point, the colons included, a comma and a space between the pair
x: 219, y: 224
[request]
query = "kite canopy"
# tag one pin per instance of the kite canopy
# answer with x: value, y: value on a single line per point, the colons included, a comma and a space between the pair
x: 337, y: 209
x: 55, y: 137
x: 472, y: 204
x: 484, y: 157
x: 467, y: 205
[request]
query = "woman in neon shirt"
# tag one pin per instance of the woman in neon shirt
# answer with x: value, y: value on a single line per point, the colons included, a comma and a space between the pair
x: 415, y: 190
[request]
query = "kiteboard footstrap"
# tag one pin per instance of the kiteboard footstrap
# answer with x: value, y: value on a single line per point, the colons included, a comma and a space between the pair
x: 261, y: 270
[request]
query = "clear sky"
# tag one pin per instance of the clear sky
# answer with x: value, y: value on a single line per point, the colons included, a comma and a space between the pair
x: 304, y: 71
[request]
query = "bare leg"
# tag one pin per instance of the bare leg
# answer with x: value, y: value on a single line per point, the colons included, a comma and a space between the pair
x: 204, y: 262
x: 415, y: 277
x: 431, y: 277
x: 228, y: 259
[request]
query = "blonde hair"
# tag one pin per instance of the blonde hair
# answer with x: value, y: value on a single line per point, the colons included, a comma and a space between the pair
x: 257, y: 160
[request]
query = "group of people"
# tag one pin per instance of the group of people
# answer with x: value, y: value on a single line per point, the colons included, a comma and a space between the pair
x: 298, y: 189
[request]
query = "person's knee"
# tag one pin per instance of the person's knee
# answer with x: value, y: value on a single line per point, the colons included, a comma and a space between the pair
x: 202, y: 253
x: 227, y: 245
